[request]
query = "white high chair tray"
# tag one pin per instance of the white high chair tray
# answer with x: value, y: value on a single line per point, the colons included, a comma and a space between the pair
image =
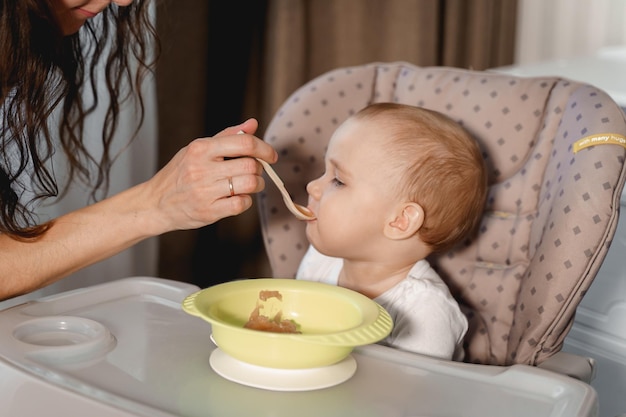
x: 126, y: 348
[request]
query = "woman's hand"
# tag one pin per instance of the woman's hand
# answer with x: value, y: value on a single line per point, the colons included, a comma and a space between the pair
x: 191, y: 191
x: 194, y: 188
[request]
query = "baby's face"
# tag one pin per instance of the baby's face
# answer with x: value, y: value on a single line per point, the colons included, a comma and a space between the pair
x: 355, y: 196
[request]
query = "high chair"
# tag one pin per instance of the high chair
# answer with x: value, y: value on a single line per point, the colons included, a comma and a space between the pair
x: 555, y: 152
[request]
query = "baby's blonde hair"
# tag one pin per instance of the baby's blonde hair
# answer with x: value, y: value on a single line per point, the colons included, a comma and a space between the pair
x: 443, y: 169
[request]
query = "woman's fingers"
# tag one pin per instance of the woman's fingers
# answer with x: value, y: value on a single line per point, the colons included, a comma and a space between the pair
x: 249, y: 126
x: 211, y: 178
x: 211, y: 202
x: 242, y: 184
x: 238, y: 145
x: 230, y: 143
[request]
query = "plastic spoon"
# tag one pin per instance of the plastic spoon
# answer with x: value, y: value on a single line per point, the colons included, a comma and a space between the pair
x: 301, y: 212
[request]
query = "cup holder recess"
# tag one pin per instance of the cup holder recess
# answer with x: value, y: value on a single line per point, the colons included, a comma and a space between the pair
x: 64, y: 339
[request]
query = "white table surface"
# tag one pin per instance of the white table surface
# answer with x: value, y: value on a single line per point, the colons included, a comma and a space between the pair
x: 159, y: 366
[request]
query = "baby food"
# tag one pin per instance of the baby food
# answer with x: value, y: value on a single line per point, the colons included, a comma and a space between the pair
x: 276, y: 324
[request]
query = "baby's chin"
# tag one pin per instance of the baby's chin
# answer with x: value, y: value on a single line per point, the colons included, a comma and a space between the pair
x: 313, y: 237
x: 318, y: 241
x: 323, y: 249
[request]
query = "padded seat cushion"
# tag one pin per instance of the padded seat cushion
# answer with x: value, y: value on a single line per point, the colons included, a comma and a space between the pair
x: 551, y: 213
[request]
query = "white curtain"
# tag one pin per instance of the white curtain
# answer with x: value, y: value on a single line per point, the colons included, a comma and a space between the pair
x: 560, y: 29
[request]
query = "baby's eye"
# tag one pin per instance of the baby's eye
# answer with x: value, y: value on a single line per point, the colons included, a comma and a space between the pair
x: 337, y: 183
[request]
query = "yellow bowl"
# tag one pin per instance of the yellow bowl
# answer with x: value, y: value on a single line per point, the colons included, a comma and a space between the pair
x: 332, y: 320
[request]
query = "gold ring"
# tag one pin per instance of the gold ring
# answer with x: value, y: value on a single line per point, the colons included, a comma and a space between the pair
x: 230, y: 186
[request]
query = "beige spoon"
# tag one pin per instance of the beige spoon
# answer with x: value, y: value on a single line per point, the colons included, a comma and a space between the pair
x: 301, y: 212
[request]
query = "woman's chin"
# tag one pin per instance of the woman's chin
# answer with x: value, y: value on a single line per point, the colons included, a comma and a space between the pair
x: 69, y: 31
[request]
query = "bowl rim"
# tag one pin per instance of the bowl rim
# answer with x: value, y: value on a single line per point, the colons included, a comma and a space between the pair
x: 371, y: 331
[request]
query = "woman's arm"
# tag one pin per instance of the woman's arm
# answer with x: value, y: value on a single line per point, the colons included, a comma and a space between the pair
x: 191, y: 191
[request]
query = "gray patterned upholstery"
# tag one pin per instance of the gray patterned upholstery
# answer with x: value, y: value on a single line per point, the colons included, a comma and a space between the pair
x: 550, y: 216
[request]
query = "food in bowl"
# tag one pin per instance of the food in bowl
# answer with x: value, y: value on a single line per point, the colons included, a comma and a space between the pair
x: 275, y: 323
x: 332, y: 319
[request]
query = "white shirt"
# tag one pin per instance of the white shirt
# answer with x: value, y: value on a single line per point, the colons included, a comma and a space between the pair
x: 427, y: 319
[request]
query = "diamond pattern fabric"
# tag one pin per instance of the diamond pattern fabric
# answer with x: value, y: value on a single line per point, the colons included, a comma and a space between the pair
x: 551, y: 213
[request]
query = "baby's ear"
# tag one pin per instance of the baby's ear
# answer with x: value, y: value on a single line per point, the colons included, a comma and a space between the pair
x: 405, y: 222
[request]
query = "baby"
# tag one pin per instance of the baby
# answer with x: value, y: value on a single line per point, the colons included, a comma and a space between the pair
x: 400, y: 183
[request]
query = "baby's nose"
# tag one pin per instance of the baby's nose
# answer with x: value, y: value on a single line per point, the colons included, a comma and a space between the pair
x: 313, y: 188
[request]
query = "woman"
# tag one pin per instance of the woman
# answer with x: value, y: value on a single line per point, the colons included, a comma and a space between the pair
x: 51, y: 49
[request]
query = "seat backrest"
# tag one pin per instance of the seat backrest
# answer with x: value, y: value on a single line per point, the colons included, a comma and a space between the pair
x: 551, y: 211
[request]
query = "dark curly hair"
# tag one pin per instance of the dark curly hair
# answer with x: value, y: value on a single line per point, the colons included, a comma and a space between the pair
x: 43, y: 72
